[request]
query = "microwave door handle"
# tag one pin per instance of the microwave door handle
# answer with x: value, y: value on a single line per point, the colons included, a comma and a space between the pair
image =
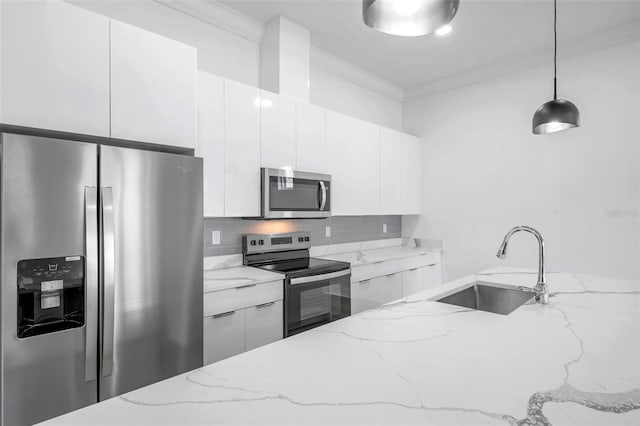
x: 108, y: 282
x: 323, y: 189
x: 91, y: 256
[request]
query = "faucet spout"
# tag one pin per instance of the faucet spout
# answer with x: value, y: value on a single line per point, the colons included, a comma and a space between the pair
x: 541, y: 289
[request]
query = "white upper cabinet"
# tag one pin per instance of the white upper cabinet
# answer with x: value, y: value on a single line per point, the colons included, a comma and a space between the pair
x: 277, y: 130
x: 211, y: 141
x: 392, y: 171
x: 311, y: 138
x: 54, y: 71
x: 153, y: 87
x: 412, y: 175
x: 241, y: 150
x: 353, y: 159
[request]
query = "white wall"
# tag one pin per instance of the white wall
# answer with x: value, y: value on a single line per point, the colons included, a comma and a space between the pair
x: 230, y: 56
x: 484, y: 171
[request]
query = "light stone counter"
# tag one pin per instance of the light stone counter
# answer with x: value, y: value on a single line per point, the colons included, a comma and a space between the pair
x: 575, y: 361
x: 362, y: 253
x: 222, y: 279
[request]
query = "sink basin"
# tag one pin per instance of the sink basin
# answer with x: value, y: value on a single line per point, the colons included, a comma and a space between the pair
x: 489, y: 297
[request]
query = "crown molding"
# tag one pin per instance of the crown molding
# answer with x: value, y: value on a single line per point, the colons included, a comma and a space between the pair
x: 339, y: 67
x: 620, y: 34
x: 229, y: 19
x: 221, y: 16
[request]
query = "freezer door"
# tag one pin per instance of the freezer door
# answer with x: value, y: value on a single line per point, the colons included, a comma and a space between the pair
x: 152, y: 246
x: 48, y: 211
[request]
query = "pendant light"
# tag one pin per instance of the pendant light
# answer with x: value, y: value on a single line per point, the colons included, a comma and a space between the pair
x: 557, y: 114
x: 408, y: 17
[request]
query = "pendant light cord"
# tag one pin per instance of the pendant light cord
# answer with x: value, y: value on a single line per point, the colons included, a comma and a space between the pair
x: 555, y: 50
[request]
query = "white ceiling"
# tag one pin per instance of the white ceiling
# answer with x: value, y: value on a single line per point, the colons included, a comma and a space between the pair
x: 484, y: 32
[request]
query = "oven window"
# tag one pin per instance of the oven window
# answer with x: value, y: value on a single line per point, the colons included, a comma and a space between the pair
x: 291, y: 194
x: 315, y: 304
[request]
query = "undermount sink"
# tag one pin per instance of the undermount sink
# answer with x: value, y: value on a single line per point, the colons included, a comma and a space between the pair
x: 489, y: 297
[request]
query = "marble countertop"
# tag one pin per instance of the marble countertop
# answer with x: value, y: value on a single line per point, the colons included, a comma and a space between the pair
x: 363, y: 257
x: 222, y: 279
x: 417, y: 362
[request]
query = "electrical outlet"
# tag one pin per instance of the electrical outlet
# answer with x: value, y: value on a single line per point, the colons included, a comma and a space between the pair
x: 384, y: 228
x: 327, y: 231
x: 215, y: 238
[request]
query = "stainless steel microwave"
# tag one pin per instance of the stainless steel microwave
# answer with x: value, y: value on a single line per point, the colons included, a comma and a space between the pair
x: 291, y: 194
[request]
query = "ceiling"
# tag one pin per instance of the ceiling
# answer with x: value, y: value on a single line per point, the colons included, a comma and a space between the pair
x: 484, y: 32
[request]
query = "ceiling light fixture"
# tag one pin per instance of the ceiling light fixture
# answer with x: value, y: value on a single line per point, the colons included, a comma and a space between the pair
x: 408, y: 17
x: 557, y: 114
x: 442, y: 31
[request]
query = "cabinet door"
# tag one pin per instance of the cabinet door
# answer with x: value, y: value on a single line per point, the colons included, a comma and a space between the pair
x: 264, y: 324
x: 390, y: 288
x: 223, y: 336
x: 54, y: 67
x: 153, y: 87
x: 353, y: 158
x: 392, y: 156
x: 364, y: 295
x: 310, y: 138
x: 412, y: 175
x: 211, y: 141
x: 277, y: 131
x: 430, y: 276
x: 241, y: 150
x: 411, y: 282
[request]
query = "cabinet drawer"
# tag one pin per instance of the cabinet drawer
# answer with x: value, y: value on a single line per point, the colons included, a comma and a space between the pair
x: 376, y: 269
x: 421, y: 260
x: 223, y: 336
x: 218, y: 302
x: 264, y: 324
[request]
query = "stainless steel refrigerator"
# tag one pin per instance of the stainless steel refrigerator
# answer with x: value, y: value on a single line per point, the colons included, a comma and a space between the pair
x: 101, y: 266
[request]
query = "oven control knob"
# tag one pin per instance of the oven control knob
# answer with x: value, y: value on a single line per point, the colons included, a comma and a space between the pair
x: 306, y: 238
x: 253, y: 242
x: 300, y: 239
x: 260, y: 242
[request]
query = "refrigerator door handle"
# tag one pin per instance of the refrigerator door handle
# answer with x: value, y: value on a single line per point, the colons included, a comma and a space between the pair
x: 91, y: 282
x: 108, y: 279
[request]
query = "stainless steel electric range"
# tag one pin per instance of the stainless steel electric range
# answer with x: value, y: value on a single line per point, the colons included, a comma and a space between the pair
x: 316, y: 291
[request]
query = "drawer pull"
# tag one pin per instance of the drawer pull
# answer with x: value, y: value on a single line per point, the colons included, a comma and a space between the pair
x: 364, y: 281
x: 423, y: 254
x: 224, y: 314
x: 379, y: 261
x: 245, y: 286
x: 264, y: 305
x: 433, y: 264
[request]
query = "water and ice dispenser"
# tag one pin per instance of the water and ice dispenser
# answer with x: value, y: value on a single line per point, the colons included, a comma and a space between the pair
x: 50, y: 295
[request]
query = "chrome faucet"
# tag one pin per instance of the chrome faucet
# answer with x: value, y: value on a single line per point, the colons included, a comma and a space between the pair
x: 541, y: 289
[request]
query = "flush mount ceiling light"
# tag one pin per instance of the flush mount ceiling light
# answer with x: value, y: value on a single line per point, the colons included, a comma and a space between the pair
x: 408, y: 17
x: 557, y: 114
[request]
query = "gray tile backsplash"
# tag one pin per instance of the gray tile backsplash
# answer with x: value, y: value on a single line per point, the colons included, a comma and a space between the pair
x: 344, y: 229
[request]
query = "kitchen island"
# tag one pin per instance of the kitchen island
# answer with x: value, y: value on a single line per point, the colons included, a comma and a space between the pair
x: 575, y: 361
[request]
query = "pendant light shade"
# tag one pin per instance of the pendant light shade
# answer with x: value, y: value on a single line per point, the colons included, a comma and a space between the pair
x: 408, y: 17
x: 557, y: 114
x: 554, y: 116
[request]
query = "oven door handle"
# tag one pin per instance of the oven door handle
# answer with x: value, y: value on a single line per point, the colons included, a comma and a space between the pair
x: 321, y: 277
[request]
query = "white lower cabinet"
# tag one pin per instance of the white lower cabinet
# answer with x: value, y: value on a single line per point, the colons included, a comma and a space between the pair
x: 224, y: 336
x: 264, y: 324
x: 411, y: 282
x: 390, y: 288
x: 242, y: 318
x: 430, y: 276
x: 364, y: 295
